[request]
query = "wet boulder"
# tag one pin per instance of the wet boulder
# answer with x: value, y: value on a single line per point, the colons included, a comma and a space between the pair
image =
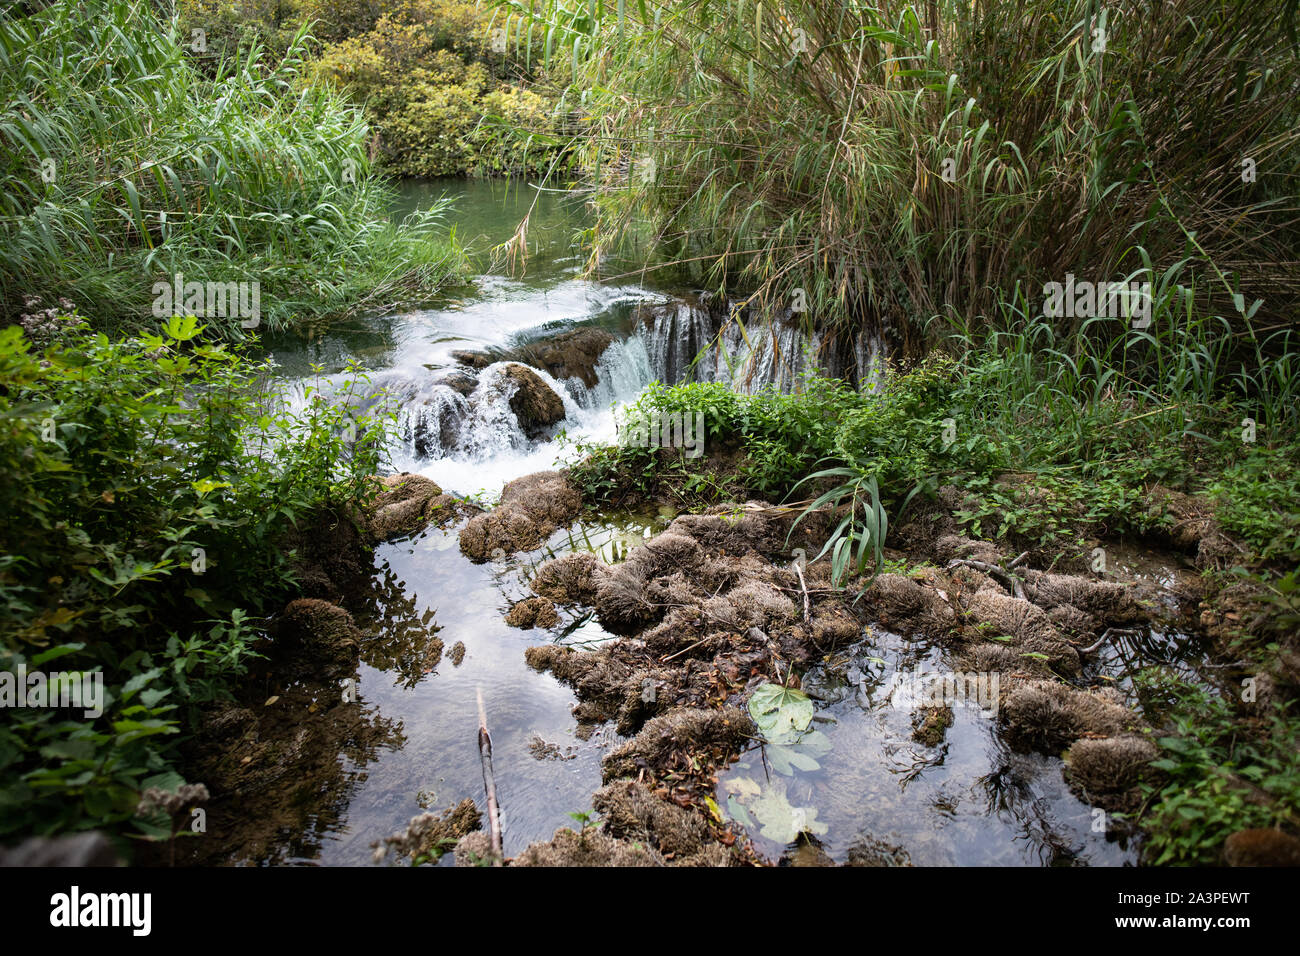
x: 1110, y: 764
x: 459, y: 380
x: 1048, y: 716
x: 572, y: 354
x: 701, y: 733
x: 531, y: 508
x: 534, y: 402
x: 473, y: 358
x: 570, y: 578
x: 406, y: 504
x: 633, y: 812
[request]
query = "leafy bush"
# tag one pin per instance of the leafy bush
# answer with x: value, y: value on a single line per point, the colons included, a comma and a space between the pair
x: 1219, y: 779
x: 1258, y: 498
x: 147, y: 485
x: 429, y: 85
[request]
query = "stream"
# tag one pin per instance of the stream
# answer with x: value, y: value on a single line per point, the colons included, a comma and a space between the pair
x: 878, y: 795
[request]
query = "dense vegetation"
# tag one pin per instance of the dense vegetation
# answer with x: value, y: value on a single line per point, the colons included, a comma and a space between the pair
x: 917, y: 172
x: 444, y: 92
x: 908, y: 165
x: 922, y: 172
x: 149, y: 479
x: 1091, y: 439
x: 124, y: 166
x: 148, y: 485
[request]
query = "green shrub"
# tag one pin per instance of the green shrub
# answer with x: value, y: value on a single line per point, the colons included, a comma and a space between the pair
x: 429, y: 134
x: 1258, y: 498
x: 427, y: 83
x: 1220, y: 779
x: 147, y: 485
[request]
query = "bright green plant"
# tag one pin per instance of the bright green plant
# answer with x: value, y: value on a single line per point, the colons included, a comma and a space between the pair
x: 1219, y: 780
x: 148, y: 485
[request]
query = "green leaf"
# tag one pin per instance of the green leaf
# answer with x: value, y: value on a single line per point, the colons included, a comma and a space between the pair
x: 781, y: 713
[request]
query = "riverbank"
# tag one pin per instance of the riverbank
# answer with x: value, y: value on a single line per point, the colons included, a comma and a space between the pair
x: 1079, y: 661
x: 1126, y: 668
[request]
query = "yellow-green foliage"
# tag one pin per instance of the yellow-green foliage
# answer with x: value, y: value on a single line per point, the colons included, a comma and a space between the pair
x: 336, y: 19
x: 437, y: 110
x: 501, y: 140
x: 434, y: 90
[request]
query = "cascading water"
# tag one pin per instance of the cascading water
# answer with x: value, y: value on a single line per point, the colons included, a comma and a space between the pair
x: 456, y: 425
x: 446, y: 373
x: 688, y: 341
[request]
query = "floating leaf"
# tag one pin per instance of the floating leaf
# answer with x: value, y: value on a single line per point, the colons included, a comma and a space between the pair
x: 743, y: 786
x: 801, y: 755
x: 738, y: 812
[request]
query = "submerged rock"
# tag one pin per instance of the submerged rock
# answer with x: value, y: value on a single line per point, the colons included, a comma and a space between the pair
x: 321, y: 634
x: 80, y: 849
x: 473, y: 358
x: 430, y: 835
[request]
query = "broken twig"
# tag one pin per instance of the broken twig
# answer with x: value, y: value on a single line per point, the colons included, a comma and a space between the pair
x: 489, y: 782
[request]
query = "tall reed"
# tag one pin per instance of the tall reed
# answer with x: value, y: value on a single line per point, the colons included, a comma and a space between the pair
x: 121, y: 165
x: 886, y: 163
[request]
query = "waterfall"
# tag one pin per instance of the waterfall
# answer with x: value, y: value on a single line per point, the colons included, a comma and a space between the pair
x: 749, y: 353
x: 456, y: 425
